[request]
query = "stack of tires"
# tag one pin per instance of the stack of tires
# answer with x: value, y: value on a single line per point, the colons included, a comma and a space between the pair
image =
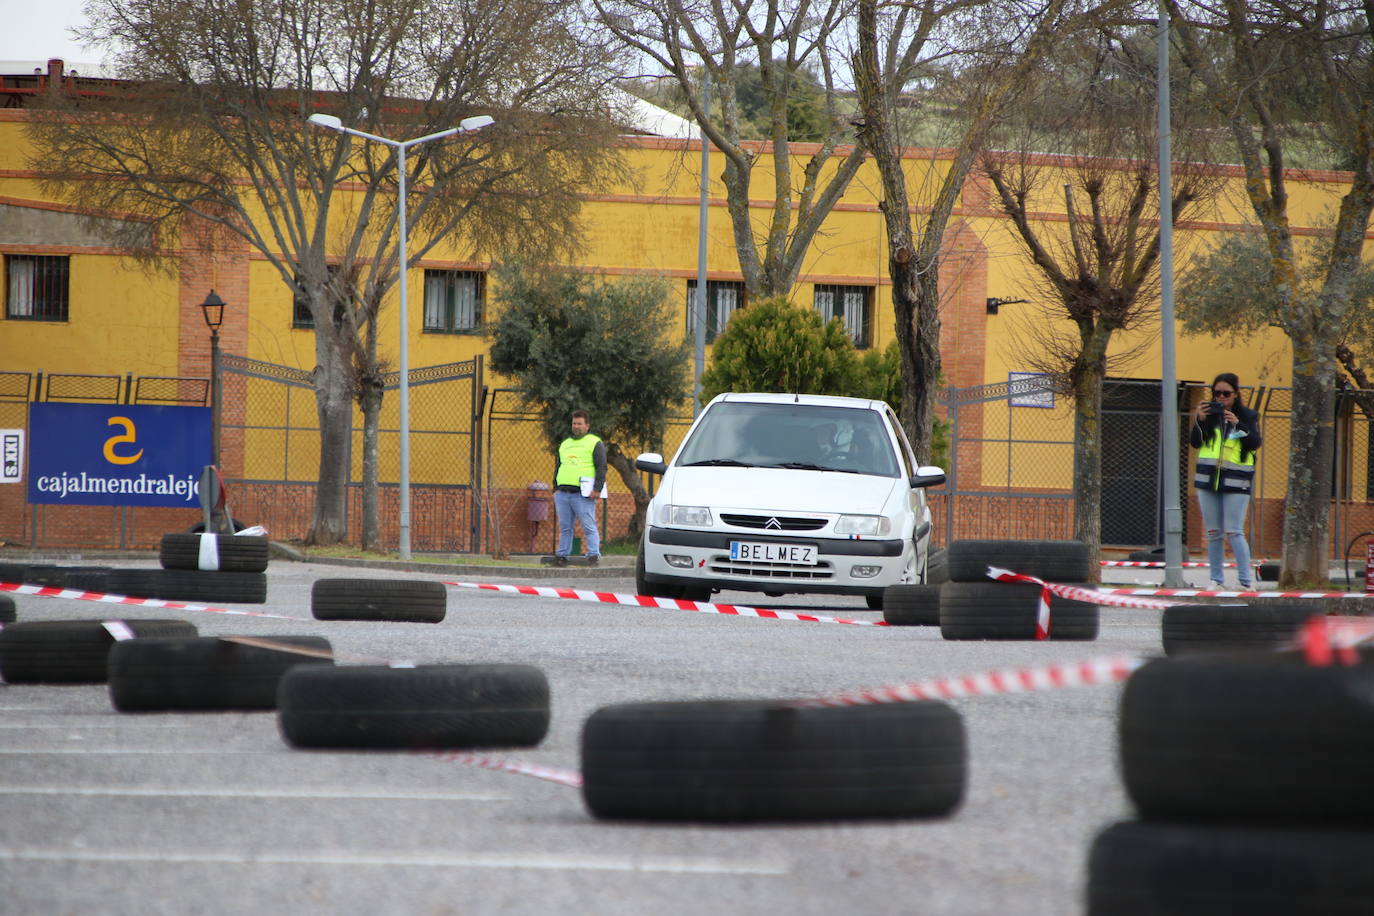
x: 200, y: 567
x: 1250, y: 774
x: 969, y: 605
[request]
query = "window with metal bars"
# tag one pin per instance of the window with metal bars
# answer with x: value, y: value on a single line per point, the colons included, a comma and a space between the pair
x: 36, y: 287
x: 453, y: 301
x: 723, y: 297
x: 853, y: 305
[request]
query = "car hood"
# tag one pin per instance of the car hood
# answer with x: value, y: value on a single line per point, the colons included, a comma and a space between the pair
x: 779, y: 490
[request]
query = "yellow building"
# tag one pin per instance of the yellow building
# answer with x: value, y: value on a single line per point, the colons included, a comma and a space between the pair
x: 76, y: 308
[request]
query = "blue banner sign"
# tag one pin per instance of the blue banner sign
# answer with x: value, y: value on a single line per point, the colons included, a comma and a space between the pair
x: 116, y: 454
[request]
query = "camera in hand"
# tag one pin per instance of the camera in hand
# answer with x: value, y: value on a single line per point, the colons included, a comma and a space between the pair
x: 1216, y: 409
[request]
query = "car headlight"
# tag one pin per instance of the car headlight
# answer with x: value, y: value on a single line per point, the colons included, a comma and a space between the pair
x: 866, y: 525
x: 699, y: 516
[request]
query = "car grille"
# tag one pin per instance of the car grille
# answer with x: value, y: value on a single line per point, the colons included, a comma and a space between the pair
x: 774, y: 522
x: 723, y: 565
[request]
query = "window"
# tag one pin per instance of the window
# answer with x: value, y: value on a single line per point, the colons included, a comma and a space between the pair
x: 453, y: 301
x: 36, y: 287
x: 300, y: 306
x: 722, y: 298
x: 851, y: 304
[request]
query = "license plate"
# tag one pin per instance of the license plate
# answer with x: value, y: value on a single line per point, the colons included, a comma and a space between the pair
x: 799, y: 554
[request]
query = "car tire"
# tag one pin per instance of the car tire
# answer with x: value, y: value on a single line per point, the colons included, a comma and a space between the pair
x: 70, y: 651
x: 1261, y: 625
x: 432, y: 706
x: 7, y: 612
x: 188, y: 585
x: 236, y: 553
x: 1053, y: 561
x: 1140, y: 868
x: 1250, y: 738
x: 401, y: 600
x: 206, y: 673
x: 655, y: 589
x: 1010, y: 610
x: 746, y: 760
x: 912, y: 605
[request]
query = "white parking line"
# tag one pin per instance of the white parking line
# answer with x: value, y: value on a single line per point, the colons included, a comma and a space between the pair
x: 123, y: 723
x: 536, y: 861
x: 120, y: 752
x: 139, y: 792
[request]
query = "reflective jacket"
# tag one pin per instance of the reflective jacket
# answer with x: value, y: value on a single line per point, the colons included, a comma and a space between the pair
x: 578, y: 458
x: 1225, y: 460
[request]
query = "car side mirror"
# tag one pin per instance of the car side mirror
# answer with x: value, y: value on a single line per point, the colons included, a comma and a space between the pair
x: 654, y: 464
x: 928, y: 475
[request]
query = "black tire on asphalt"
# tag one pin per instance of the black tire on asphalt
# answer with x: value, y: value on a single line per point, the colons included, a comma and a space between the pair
x: 404, y: 600
x: 1250, y: 738
x: 70, y: 651
x: 1261, y: 625
x: 741, y: 760
x: 1139, y: 868
x: 912, y: 605
x: 207, y: 673
x: 88, y: 579
x: 236, y: 552
x: 13, y: 572
x: 1053, y: 561
x: 1009, y: 610
x: 189, y: 585
x: 432, y: 706
x: 1267, y: 572
x: 7, y: 613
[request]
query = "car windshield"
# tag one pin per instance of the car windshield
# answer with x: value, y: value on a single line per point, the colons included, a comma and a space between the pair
x: 800, y: 436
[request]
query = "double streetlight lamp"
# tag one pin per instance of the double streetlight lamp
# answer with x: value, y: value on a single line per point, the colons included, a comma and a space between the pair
x: 467, y: 125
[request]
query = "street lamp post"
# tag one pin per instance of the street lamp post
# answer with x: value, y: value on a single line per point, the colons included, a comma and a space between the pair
x: 213, y: 311
x: 330, y: 122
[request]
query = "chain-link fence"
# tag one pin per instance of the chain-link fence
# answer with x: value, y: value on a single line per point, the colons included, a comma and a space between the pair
x: 1011, y: 469
x: 270, y: 453
x: 517, y: 511
x: 481, y: 467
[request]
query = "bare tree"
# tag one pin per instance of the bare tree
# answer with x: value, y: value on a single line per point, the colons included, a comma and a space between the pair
x: 211, y: 128
x: 1250, y: 54
x: 993, y: 47
x: 788, y: 41
x: 1095, y: 105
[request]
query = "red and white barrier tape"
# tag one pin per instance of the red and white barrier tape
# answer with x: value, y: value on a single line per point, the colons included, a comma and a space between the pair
x: 1208, y: 593
x: 669, y: 604
x: 1155, y: 564
x: 1091, y: 672
x: 538, y: 771
x: 51, y: 591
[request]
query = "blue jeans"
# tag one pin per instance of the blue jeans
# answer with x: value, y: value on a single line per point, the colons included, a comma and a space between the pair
x: 583, y: 508
x: 1224, y: 513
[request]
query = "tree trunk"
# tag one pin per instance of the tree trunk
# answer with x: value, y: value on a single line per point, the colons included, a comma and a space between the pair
x: 334, y: 405
x: 629, y: 475
x: 1087, y: 457
x: 371, y: 403
x: 914, y: 303
x: 1307, y: 509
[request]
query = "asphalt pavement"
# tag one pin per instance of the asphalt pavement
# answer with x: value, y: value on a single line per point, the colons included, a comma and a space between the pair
x: 180, y: 813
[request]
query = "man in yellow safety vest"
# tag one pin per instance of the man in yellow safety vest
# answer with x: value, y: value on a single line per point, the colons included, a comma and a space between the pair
x: 578, y: 480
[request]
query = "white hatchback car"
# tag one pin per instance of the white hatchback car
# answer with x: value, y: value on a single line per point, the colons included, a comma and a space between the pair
x: 786, y: 493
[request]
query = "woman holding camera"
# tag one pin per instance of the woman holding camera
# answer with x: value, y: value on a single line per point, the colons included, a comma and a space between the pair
x: 1226, y: 434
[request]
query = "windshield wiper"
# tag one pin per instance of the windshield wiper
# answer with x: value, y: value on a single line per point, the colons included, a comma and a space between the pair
x: 803, y: 466
x: 719, y: 463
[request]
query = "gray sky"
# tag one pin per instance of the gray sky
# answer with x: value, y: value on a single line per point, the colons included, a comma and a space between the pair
x: 37, y: 30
